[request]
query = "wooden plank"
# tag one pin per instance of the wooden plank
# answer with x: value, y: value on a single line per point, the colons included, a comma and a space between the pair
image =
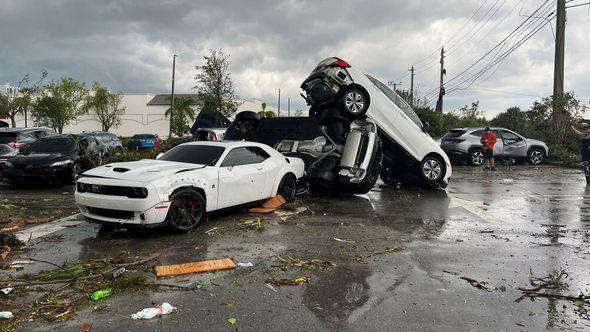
x: 195, y: 267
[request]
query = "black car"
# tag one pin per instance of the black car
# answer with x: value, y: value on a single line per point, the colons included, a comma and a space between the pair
x: 20, y: 138
x: 54, y: 159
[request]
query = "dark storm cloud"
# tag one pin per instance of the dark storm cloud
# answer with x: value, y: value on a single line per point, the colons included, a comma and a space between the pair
x: 127, y: 45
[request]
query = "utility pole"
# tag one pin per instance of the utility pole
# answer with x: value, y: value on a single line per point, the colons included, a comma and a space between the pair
x: 411, y: 87
x: 441, y: 91
x: 395, y: 84
x: 559, y: 50
x: 279, y: 105
x: 289, y: 106
x: 172, y: 94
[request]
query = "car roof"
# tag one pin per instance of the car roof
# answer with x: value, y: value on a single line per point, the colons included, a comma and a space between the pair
x: 24, y: 130
x: 227, y: 144
x: 479, y: 128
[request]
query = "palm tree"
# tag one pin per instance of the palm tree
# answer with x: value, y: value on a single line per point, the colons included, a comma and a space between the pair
x: 182, y: 108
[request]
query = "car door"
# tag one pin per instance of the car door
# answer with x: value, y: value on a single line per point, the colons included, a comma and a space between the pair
x: 242, y: 177
x: 498, y: 147
x: 514, y: 145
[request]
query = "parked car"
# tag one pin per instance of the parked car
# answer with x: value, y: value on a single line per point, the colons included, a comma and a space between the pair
x: 144, y: 141
x: 463, y: 144
x: 185, y: 183
x: 5, y: 153
x: 111, y: 140
x: 54, y: 159
x: 20, y: 138
x: 358, y: 130
x: 210, y: 134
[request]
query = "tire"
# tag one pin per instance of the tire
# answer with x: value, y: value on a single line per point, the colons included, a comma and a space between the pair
x: 432, y: 169
x: 476, y: 157
x: 288, y: 187
x: 187, y: 210
x: 354, y: 102
x: 535, y: 156
x: 387, y: 175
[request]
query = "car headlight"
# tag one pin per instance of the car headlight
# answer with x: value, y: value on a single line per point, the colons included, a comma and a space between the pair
x: 61, y: 163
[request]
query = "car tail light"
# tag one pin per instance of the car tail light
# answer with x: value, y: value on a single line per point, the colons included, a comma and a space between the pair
x: 213, y: 136
x: 16, y: 145
x: 340, y: 63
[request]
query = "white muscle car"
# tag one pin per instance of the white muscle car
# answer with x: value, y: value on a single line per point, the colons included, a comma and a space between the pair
x: 185, y: 183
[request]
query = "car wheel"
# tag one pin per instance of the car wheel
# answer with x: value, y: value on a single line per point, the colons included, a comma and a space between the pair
x: 536, y: 156
x: 476, y: 157
x: 355, y: 102
x: 432, y: 169
x: 187, y: 210
x: 246, y: 121
x: 288, y: 187
x: 387, y: 175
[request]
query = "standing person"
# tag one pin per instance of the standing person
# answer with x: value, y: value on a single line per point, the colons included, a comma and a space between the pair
x: 487, y: 141
x: 585, y: 136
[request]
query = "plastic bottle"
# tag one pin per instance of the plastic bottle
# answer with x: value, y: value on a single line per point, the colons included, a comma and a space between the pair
x: 101, y: 294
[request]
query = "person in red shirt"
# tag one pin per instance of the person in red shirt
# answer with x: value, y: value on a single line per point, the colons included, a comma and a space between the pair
x: 487, y: 141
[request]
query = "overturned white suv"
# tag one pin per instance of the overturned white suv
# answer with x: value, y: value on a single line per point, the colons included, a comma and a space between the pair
x: 362, y: 130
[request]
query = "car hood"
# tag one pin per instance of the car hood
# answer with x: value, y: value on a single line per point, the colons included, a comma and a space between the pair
x: 145, y: 170
x: 40, y: 158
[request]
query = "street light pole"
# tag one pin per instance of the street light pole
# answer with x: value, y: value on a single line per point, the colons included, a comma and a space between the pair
x: 172, y: 94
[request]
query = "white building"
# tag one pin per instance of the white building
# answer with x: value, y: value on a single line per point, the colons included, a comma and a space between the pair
x: 144, y: 113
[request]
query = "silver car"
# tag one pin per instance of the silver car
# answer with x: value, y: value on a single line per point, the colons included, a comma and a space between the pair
x: 464, y: 144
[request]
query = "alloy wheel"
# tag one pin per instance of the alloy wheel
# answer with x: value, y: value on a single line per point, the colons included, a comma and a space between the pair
x: 288, y: 188
x: 477, y: 158
x: 354, y: 102
x: 185, y: 211
x: 536, y: 157
x: 432, y: 169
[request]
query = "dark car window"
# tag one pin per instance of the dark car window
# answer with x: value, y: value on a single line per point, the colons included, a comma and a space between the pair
x: 143, y: 136
x: 6, y: 138
x: 92, y: 143
x: 477, y: 133
x: 454, y: 133
x: 53, y: 145
x: 396, y: 99
x: 38, y: 134
x: 508, y: 135
x: 194, y: 154
x: 244, y: 156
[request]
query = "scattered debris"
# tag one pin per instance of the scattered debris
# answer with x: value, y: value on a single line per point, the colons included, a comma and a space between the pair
x: 199, y: 286
x: 232, y: 320
x: 149, y: 313
x: 269, y: 205
x: 117, y: 273
x: 5, y: 314
x: 478, y: 284
x: 6, y: 290
x: 249, y: 264
x: 285, y: 214
x: 230, y: 303
x: 507, y: 181
x: 308, y: 264
x: 343, y: 241
x: 101, y: 294
x: 486, y: 231
x: 269, y: 286
x: 552, y: 281
x: 86, y: 327
x: 195, y: 267
x: 451, y: 272
x: 289, y: 282
x: 257, y: 224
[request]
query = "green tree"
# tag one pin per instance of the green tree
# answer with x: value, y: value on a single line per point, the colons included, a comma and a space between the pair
x: 107, y: 106
x: 514, y: 118
x: 183, y: 110
x: 215, y: 86
x: 60, y: 103
x: 18, y: 100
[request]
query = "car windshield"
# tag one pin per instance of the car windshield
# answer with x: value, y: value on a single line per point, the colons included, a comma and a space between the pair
x: 396, y: 99
x: 53, y: 145
x: 194, y: 154
x: 144, y: 136
x: 454, y: 133
x: 7, y: 137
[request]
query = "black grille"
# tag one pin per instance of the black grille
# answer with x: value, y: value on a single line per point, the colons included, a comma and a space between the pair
x: 108, y: 213
x: 131, y: 192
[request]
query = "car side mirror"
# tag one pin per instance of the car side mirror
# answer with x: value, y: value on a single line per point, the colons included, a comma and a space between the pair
x: 159, y: 155
x: 230, y: 168
x: 425, y: 127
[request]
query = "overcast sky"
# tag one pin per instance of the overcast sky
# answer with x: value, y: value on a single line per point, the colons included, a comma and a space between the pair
x: 128, y: 45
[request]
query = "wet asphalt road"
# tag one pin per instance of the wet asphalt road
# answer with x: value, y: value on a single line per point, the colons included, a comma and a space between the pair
x: 493, y: 227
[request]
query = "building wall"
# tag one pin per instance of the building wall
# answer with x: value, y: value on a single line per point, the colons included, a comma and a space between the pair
x: 139, y: 117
